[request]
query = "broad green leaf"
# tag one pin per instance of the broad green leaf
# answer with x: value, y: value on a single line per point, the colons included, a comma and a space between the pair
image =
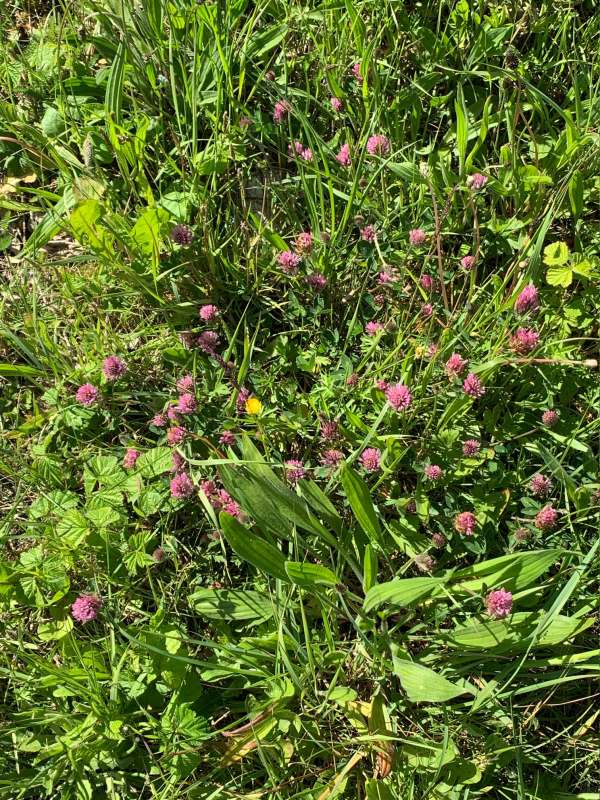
x: 359, y: 497
x: 559, y: 276
x: 155, y: 462
x: 513, y: 572
x: 251, y: 548
x: 401, y: 592
x: 234, y: 604
x: 556, y: 254
x: 429, y: 755
x: 72, y: 528
x: 422, y: 684
x: 55, y: 630
x: 514, y: 632
x: 309, y: 575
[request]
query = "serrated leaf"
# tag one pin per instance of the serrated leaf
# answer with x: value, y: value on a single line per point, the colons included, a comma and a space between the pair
x: 559, y: 276
x: 155, y: 462
x: 556, y: 254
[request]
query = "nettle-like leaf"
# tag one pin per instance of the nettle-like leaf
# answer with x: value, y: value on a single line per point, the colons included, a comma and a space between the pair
x: 556, y: 254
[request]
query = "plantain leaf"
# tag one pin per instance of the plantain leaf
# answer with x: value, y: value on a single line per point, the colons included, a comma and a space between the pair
x: 359, y: 497
x: 422, y: 684
x: 310, y: 575
x: 251, y: 548
x: 401, y: 592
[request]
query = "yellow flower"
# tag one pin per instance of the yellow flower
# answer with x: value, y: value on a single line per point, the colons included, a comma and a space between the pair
x: 253, y: 405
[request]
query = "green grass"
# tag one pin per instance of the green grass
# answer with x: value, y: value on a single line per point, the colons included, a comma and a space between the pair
x: 328, y: 644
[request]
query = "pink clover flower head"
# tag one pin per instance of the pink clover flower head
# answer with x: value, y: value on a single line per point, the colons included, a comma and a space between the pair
x: 178, y: 462
x: 417, y: 236
x: 378, y: 145
x: 316, y: 281
x: 295, y: 148
x: 113, y: 368
x: 499, y: 603
x: 187, y: 404
x: 176, y: 435
x: 467, y: 262
x: 329, y: 430
x: 87, y: 394
x: 528, y: 300
x: 427, y: 310
x: 385, y: 278
x: 227, y: 438
x: 289, y: 262
x: 173, y: 413
x: 426, y: 282
x: 352, y: 380
x: 304, y: 242
x: 280, y: 111
x: 438, y: 540
x: 356, y: 71
x: 240, y: 401
x: 550, y: 418
x: 208, y: 341
x: 181, y: 486
x: 373, y: 328
x: 159, y: 420
x: 473, y: 386
x: 367, y: 234
x: 86, y: 608
x: 336, y: 104
x: 294, y: 470
x: 540, y: 485
x: 381, y: 385
x: 306, y: 154
x: 546, y: 519
x: 476, y: 181
x: 432, y: 349
x: 524, y: 341
x: 130, y: 457
x: 455, y: 365
x: 465, y: 522
x: 332, y: 458
x: 371, y: 459
x: 209, y: 488
x: 471, y: 447
x: 185, y: 384
x: 182, y: 235
x: 433, y: 472
x: 398, y: 396
x: 343, y: 156
x: 208, y: 313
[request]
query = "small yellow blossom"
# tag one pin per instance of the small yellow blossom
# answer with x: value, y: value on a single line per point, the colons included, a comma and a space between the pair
x: 253, y: 405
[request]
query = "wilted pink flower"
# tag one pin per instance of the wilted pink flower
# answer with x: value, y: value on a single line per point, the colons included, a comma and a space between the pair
x: 522, y: 535
x: 208, y: 313
x: 367, y: 234
x: 499, y: 603
x: 245, y: 122
x: 159, y: 555
x: 528, y: 300
x: 187, y: 404
x: 398, y: 396
x: 113, y: 367
x: 178, y: 462
x: 524, y: 340
x: 438, y: 540
x: 455, y: 365
x: 343, y: 156
x: 270, y: 75
x: 289, y: 262
x: 181, y: 486
x: 240, y: 401
x: 280, y: 111
x: 182, y: 235
x: 427, y: 310
x: 385, y: 278
x: 227, y: 438
x: 476, y: 181
x: 336, y: 104
x: 550, y: 418
x: 433, y: 472
x: 294, y: 470
x: 381, y: 385
x: 417, y: 236
x: 427, y: 282
x: 467, y: 262
x: 176, y: 435
x: 159, y: 420
x: 432, y: 349
x: 130, y: 457
x: 185, y: 384
x: 86, y: 608
x: 546, y: 519
x: 424, y: 562
x: 540, y: 485
x: 379, y: 299
x: 316, y: 281
x: 304, y: 242
x: 329, y: 430
x: 465, y: 522
x: 332, y: 458
x: 371, y: 459
x: 473, y: 386
x: 373, y: 328
x: 352, y: 379
x: 471, y: 447
x: 208, y: 342
x: 411, y: 507
x: 87, y: 394
x: 356, y: 71
x: 378, y: 145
